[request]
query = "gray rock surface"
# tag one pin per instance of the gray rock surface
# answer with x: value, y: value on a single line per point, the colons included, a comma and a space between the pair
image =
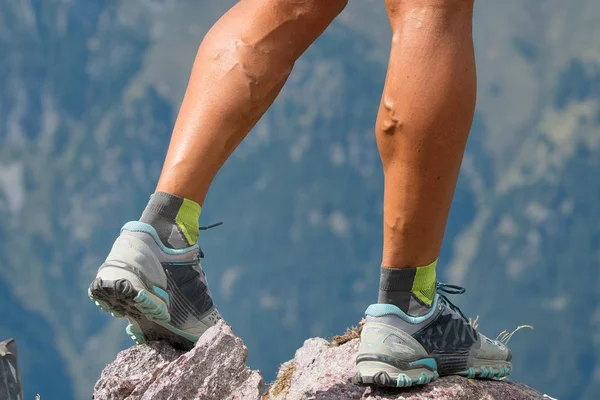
x: 10, y: 381
x: 215, y: 370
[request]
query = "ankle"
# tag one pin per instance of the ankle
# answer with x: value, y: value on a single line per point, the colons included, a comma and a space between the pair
x: 174, y: 218
x: 410, y: 289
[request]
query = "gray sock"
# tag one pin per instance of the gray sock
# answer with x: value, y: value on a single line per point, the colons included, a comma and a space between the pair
x: 395, y: 287
x: 161, y: 212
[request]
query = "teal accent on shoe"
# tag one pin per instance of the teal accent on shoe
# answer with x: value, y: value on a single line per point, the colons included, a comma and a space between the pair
x: 161, y: 293
x: 153, y: 311
x: 157, y: 312
x: 498, y: 372
x: 137, y: 226
x: 424, y: 379
x: 180, y: 264
x: 379, y: 310
x: 135, y: 334
x: 404, y: 380
x: 470, y: 373
x: 430, y: 362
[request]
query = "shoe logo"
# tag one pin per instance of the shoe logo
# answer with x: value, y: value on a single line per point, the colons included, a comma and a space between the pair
x: 398, y: 349
x: 374, y: 338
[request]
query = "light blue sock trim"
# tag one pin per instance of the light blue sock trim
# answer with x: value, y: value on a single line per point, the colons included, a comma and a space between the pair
x: 379, y: 310
x: 137, y: 226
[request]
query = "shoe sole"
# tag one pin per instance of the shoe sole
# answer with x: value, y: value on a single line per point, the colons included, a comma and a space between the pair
x: 380, y: 373
x: 148, y: 315
x: 385, y: 375
x: 501, y: 370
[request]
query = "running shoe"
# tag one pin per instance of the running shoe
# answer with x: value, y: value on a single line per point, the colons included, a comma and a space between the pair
x: 399, y: 350
x: 163, y: 292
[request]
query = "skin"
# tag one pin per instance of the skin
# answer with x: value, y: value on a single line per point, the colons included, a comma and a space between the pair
x: 422, y: 126
x: 241, y: 66
x: 423, y: 123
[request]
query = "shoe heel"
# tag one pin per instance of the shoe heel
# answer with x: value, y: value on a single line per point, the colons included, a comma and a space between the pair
x: 127, y: 296
x: 391, y: 357
x: 380, y: 373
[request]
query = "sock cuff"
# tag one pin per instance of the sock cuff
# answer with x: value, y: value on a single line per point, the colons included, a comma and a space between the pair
x: 175, y: 219
x: 397, y: 279
x: 399, y: 285
x: 165, y: 204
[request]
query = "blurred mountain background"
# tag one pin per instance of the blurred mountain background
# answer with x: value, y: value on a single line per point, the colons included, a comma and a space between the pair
x: 88, y: 95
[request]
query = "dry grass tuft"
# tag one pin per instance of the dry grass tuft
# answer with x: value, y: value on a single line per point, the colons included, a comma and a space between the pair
x: 505, y: 336
x: 474, y: 322
x: 282, y: 384
x: 351, y: 333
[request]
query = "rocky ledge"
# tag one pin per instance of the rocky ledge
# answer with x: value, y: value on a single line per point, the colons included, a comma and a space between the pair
x: 321, y: 370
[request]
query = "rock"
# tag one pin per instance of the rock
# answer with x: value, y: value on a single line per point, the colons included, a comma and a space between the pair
x: 323, y: 371
x: 214, y: 369
x: 10, y: 382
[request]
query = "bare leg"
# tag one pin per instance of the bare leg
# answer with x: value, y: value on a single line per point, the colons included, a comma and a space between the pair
x: 241, y: 65
x: 422, y: 128
x: 240, y: 68
x: 424, y: 119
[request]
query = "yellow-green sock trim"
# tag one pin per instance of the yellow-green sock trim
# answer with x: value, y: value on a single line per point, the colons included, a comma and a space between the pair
x: 424, y: 284
x: 187, y: 219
